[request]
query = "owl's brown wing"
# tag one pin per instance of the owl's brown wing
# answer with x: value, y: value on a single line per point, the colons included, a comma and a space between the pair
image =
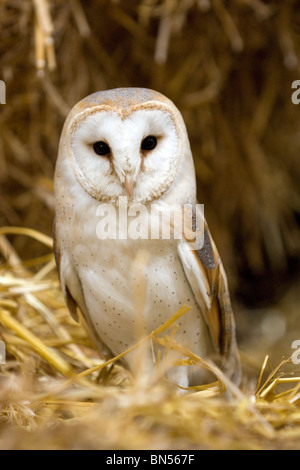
x: 74, y: 295
x: 206, y: 276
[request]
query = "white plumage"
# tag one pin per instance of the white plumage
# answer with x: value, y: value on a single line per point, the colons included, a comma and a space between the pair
x: 133, y: 142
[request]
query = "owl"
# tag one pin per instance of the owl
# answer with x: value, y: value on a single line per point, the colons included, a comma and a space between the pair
x: 131, y: 144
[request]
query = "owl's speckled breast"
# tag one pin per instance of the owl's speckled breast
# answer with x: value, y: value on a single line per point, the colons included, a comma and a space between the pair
x: 111, y: 280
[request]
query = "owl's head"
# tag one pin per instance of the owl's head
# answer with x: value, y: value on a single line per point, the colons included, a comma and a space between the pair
x: 125, y: 142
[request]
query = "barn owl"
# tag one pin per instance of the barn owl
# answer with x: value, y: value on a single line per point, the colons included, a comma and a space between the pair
x: 132, y: 144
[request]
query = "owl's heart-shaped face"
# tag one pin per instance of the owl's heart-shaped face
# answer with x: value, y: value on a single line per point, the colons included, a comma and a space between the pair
x: 134, y: 154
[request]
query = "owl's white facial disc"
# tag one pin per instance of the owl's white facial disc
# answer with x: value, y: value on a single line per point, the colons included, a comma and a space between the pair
x: 128, y: 166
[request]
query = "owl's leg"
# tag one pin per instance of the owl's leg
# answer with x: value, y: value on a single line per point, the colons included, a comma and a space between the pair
x: 189, y: 376
x: 179, y: 376
x: 200, y: 376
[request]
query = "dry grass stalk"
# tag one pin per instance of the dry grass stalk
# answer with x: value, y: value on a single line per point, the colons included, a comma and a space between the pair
x: 44, y: 29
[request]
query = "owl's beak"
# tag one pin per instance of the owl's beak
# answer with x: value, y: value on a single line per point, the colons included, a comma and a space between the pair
x: 128, y: 184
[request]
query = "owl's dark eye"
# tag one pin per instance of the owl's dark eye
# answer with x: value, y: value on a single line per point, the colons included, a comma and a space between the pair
x: 101, y: 148
x: 149, y: 143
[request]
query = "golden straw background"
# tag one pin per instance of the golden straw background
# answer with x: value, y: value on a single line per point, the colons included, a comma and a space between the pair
x: 229, y: 67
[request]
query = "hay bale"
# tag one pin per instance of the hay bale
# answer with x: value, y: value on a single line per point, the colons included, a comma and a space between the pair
x: 228, y: 67
x: 56, y: 393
